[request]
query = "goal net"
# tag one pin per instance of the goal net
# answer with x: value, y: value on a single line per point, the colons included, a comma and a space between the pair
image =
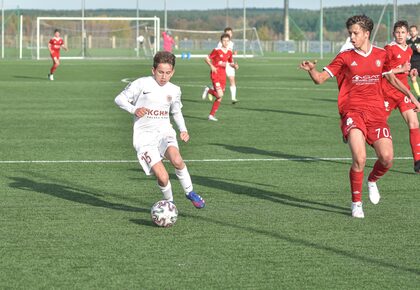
x: 100, y: 37
x: 198, y: 43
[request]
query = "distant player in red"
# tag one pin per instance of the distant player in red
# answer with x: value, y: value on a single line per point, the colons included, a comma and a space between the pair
x: 54, y: 46
x: 399, y: 55
x: 362, y: 111
x: 218, y: 59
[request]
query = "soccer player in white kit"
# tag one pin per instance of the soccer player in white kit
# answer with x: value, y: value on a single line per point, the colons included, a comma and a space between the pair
x: 151, y: 100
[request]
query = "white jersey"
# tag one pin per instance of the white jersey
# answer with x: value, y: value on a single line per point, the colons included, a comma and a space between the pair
x: 230, y: 45
x: 159, y: 101
x: 230, y: 71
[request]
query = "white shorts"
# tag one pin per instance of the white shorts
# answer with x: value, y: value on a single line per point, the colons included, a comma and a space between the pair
x: 151, y: 148
x: 230, y: 71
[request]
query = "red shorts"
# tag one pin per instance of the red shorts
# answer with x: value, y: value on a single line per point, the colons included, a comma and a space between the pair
x: 219, y: 79
x: 55, y: 54
x: 371, y: 122
x: 398, y: 100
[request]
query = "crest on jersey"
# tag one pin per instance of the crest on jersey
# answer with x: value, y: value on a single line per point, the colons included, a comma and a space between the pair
x: 378, y: 63
x: 349, y: 121
x: 386, y: 106
x: 169, y: 98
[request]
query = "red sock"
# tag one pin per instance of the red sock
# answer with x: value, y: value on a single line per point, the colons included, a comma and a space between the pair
x: 53, y: 68
x: 415, y: 143
x: 212, y: 92
x: 377, y: 172
x: 356, y: 184
x: 215, y: 107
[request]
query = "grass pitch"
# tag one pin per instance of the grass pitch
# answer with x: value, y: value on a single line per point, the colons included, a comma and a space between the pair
x: 273, y: 171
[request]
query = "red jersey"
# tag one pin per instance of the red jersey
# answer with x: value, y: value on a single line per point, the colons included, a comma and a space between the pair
x: 360, y: 77
x: 56, y: 43
x: 219, y: 58
x: 397, y: 57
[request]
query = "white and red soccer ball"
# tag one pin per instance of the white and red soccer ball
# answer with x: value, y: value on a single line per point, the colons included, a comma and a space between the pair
x: 164, y: 213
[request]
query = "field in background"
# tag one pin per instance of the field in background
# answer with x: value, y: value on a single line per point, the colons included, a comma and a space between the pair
x: 275, y: 217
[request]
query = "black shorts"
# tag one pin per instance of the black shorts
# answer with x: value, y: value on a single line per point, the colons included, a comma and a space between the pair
x: 415, y: 64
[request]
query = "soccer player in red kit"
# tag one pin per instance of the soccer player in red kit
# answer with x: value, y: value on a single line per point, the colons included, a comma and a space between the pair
x: 399, y: 55
x: 218, y: 59
x: 54, y: 46
x: 362, y: 110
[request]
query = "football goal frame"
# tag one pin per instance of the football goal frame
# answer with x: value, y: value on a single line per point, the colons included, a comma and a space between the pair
x: 156, y: 31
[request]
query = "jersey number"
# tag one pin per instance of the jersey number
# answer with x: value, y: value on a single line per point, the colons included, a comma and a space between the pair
x: 146, y: 158
x: 383, y: 131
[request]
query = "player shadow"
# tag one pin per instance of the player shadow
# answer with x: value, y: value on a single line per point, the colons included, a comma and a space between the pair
x: 277, y: 154
x: 325, y: 100
x: 70, y: 193
x: 31, y: 77
x: 143, y: 222
x: 310, y: 244
x: 283, y: 112
x: 267, y: 195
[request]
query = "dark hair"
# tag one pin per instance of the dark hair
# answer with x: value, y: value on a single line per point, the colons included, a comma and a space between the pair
x: 415, y: 26
x: 56, y: 30
x: 362, y: 20
x: 164, y: 57
x: 401, y: 24
x: 224, y: 35
x: 228, y: 29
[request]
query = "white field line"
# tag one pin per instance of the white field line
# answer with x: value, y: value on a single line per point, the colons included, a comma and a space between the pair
x: 197, y: 160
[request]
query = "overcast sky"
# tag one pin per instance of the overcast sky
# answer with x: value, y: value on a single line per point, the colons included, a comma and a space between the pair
x: 185, y: 4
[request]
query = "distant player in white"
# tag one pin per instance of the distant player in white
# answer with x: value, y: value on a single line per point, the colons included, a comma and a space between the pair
x: 151, y: 100
x: 230, y: 71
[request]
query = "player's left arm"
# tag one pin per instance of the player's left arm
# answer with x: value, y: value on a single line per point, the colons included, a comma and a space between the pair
x: 179, y: 118
x: 63, y: 46
x: 393, y: 80
x: 232, y: 63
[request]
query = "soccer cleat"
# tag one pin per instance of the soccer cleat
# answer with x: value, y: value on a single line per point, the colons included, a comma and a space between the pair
x: 205, y: 92
x: 212, y: 118
x: 357, y: 210
x: 51, y: 77
x: 417, y: 166
x: 374, y: 195
x: 234, y: 101
x: 196, y: 200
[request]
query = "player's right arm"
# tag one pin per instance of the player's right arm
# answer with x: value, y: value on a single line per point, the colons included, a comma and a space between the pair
x: 127, y: 98
x: 316, y: 76
x: 50, y: 47
x: 209, y: 62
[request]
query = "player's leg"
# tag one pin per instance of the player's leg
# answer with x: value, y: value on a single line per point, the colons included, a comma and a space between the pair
x: 230, y: 72
x: 412, y: 121
x: 385, y: 153
x: 413, y: 75
x: 219, y: 84
x: 356, y: 141
x: 56, y: 63
x: 163, y: 181
x: 181, y: 171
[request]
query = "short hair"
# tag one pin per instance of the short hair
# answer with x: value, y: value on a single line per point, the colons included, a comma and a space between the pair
x: 413, y: 26
x: 224, y: 35
x: 362, y: 20
x: 401, y: 24
x: 56, y: 30
x: 228, y: 29
x: 163, y: 57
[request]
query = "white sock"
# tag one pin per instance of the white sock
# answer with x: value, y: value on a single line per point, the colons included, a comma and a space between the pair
x: 167, y: 191
x: 233, y: 92
x: 185, y: 179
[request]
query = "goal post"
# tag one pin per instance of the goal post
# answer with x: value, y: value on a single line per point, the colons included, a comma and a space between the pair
x: 100, y: 37
x: 198, y: 43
